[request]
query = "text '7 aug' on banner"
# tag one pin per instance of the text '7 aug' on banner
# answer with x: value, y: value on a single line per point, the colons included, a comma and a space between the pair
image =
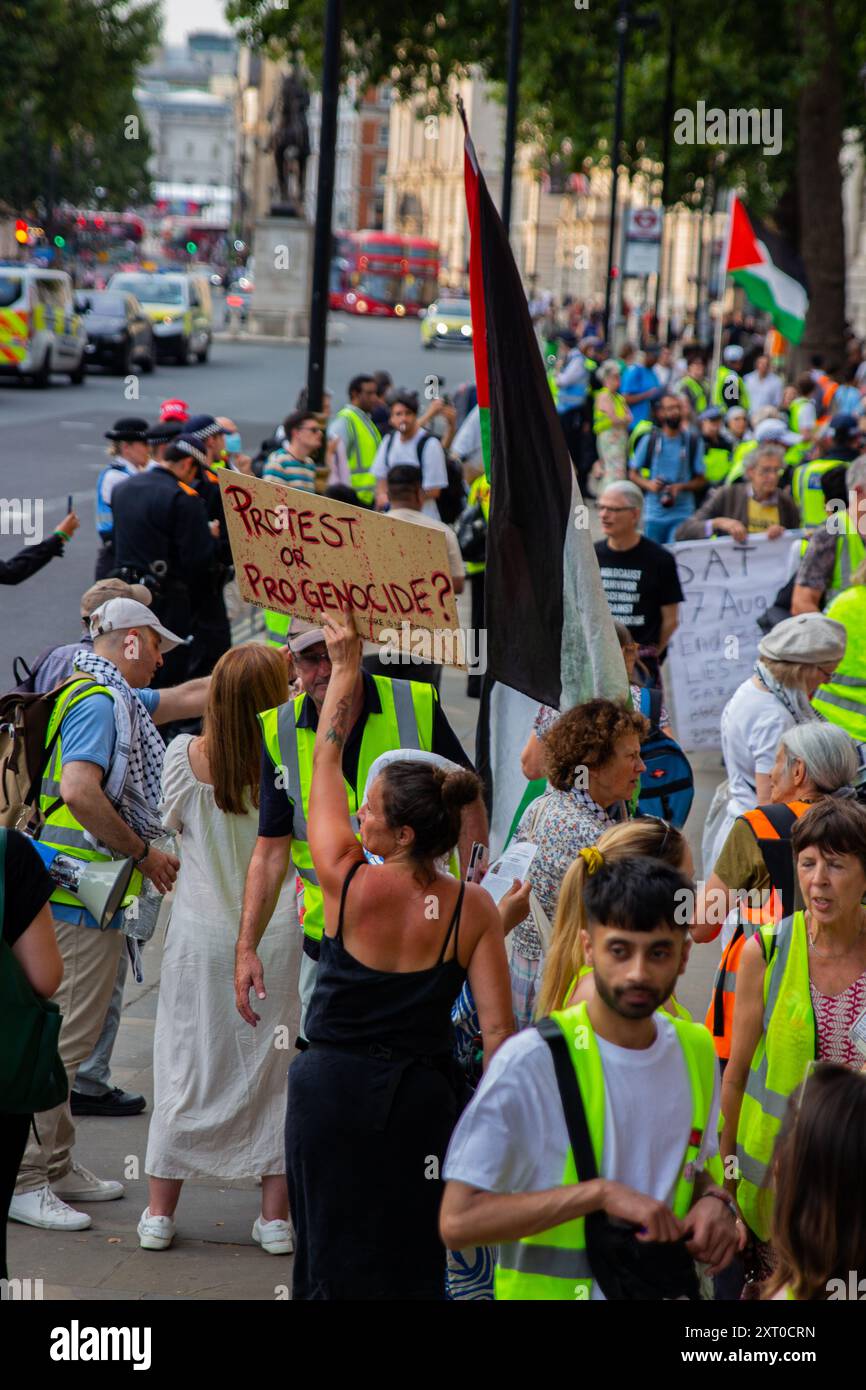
x: 306, y: 555
x: 727, y: 587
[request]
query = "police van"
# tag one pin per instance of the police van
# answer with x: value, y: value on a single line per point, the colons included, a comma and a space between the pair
x: 179, y: 307
x: 40, y: 332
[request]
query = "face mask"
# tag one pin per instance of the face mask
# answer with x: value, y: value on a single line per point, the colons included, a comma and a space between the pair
x: 233, y: 443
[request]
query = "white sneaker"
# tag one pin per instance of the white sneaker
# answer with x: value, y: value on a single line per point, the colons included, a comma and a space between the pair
x: 43, y: 1208
x: 80, y: 1185
x: 155, y: 1232
x: 274, y: 1236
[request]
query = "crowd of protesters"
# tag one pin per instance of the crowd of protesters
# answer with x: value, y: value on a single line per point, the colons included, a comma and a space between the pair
x: 575, y: 1147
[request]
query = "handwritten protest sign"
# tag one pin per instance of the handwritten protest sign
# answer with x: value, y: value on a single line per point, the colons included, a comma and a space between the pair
x: 299, y: 553
x: 727, y: 587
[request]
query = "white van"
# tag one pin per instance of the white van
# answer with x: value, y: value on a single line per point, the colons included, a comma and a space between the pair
x: 40, y: 331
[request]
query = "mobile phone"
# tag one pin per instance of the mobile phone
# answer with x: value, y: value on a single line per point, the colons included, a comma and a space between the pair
x: 476, y: 856
x: 69, y: 504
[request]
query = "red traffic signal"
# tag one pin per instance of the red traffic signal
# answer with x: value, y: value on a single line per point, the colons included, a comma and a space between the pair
x: 21, y: 234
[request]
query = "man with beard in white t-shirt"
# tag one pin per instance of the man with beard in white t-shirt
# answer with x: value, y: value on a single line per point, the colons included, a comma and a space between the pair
x: 655, y: 1140
x: 408, y: 443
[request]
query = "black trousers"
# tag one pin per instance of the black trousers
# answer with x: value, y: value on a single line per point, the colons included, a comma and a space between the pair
x: 212, y: 634
x: 172, y: 607
x: 13, y: 1141
x: 105, y: 561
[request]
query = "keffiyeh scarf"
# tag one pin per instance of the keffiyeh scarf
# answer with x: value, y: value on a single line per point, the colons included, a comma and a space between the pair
x: 132, y: 783
x: 796, y: 702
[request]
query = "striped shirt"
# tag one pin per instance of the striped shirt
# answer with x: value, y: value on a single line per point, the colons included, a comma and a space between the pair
x: 282, y: 467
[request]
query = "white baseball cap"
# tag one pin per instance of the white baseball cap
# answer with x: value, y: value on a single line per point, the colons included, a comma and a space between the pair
x: 774, y: 431
x: 120, y: 614
x: 302, y: 634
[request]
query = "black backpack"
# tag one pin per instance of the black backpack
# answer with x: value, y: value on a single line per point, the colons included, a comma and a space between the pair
x: 472, y: 534
x: 452, y: 498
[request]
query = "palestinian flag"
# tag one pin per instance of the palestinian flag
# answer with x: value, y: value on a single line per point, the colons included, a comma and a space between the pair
x: 550, y: 634
x: 771, y: 274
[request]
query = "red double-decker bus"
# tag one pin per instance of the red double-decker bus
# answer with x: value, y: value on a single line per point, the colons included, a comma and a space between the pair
x: 383, y: 274
x: 421, y: 278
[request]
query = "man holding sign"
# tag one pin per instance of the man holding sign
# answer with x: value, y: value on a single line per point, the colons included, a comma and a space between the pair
x: 385, y: 714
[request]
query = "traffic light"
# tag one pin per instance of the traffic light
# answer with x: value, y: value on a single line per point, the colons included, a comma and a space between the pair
x: 60, y: 242
x: 21, y: 231
x: 191, y: 247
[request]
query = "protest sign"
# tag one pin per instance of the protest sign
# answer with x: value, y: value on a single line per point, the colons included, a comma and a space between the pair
x: 299, y: 553
x: 727, y: 587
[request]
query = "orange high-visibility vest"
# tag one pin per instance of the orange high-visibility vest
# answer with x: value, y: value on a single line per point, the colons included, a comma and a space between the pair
x: 771, y: 826
x: 828, y: 388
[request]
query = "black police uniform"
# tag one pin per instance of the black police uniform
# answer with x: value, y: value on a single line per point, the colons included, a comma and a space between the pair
x: 212, y: 634
x: 161, y: 537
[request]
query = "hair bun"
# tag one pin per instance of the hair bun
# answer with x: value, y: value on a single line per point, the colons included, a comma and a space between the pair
x: 458, y: 788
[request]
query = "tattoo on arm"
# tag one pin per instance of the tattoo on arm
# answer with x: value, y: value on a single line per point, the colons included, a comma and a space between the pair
x: 339, y: 723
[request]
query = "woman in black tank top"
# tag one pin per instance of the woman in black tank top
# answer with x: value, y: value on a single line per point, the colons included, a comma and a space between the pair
x: 373, y: 1100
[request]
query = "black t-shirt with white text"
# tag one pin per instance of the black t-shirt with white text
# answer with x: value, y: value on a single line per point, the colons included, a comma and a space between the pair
x: 638, y: 583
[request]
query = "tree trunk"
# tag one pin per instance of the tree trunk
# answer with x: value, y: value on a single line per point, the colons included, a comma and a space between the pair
x: 819, y: 178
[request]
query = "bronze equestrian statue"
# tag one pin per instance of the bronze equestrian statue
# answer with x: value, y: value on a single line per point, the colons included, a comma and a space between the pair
x: 290, y: 141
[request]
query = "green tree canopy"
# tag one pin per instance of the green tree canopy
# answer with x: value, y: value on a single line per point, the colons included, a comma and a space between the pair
x: 70, y: 68
x: 791, y: 58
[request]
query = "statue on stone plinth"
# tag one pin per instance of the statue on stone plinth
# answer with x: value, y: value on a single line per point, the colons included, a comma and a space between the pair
x: 290, y: 142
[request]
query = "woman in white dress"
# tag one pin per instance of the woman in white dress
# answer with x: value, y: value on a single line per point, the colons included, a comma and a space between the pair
x: 220, y: 1086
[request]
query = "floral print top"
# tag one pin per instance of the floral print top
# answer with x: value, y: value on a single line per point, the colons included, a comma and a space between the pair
x: 560, y: 823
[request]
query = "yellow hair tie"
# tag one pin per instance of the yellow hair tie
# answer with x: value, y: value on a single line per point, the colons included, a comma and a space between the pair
x: 592, y: 858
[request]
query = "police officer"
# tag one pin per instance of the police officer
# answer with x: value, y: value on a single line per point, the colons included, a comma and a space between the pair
x: 128, y: 453
x: 717, y: 446
x: 840, y: 448
x: 162, y: 538
x: 203, y: 440
x: 729, y: 388
x: 159, y: 437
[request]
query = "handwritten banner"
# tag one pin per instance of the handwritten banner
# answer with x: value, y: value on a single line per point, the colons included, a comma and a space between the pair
x: 299, y: 553
x: 727, y: 587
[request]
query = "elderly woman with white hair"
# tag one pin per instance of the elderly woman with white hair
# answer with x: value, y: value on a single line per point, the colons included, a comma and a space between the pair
x: 793, y: 660
x: 753, y: 880
x: 611, y: 421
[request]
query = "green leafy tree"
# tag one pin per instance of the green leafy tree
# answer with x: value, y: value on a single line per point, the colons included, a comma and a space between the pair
x: 70, y: 67
x: 802, y: 60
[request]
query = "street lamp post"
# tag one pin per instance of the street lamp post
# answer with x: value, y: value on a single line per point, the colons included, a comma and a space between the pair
x: 324, y: 206
x: 667, y: 124
x: 622, y: 20
x: 514, y: 36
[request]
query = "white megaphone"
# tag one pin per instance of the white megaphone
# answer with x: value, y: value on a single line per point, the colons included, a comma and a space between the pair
x: 100, y: 885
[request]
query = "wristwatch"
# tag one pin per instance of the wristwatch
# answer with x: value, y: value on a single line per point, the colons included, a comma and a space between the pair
x: 141, y: 858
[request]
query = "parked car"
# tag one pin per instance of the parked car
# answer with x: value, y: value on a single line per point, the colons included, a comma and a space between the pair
x: 40, y: 331
x: 447, y: 321
x: 179, y: 307
x: 119, y: 332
